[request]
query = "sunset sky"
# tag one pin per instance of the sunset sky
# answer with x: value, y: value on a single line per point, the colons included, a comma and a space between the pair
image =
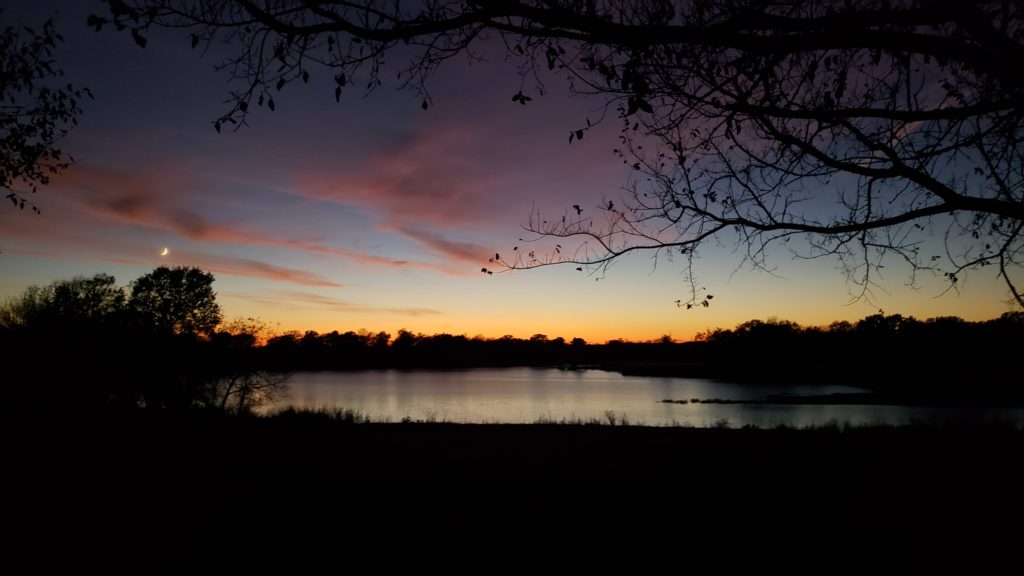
x: 375, y: 214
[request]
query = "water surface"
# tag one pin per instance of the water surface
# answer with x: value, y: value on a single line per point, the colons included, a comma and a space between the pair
x: 527, y: 395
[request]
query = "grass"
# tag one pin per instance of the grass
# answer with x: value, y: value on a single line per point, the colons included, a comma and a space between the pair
x: 613, y: 419
x: 866, y: 492
x: 339, y: 415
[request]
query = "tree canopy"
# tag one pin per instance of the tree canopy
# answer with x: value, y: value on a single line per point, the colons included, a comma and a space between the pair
x: 36, y: 110
x: 177, y: 300
x: 156, y: 343
x: 855, y: 129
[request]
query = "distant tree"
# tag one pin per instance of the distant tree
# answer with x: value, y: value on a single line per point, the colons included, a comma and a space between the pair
x: 845, y: 128
x: 65, y: 303
x: 840, y: 326
x: 380, y: 340
x: 258, y: 330
x: 177, y: 300
x: 238, y: 383
x: 1010, y: 319
x: 768, y: 328
x: 405, y: 340
x: 879, y: 325
x: 36, y: 110
x: 67, y: 343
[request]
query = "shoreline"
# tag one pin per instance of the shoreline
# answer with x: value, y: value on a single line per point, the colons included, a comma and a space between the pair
x: 857, y: 399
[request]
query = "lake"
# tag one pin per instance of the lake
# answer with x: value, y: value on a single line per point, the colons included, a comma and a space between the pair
x: 528, y: 395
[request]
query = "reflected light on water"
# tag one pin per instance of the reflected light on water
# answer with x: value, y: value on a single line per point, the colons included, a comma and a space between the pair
x: 530, y: 395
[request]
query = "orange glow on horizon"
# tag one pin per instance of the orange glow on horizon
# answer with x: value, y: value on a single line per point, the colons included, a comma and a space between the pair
x: 684, y: 330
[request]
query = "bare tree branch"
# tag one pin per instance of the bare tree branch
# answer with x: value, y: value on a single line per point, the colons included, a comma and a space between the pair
x: 851, y: 128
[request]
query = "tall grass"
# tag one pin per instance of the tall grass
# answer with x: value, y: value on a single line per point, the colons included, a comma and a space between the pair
x: 341, y: 415
x: 617, y: 419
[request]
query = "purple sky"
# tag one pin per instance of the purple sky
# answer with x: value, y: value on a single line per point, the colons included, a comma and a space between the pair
x: 373, y: 213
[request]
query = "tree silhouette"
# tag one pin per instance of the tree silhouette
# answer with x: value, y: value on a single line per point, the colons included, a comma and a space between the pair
x: 846, y: 128
x: 237, y: 384
x: 58, y: 341
x: 177, y: 300
x: 89, y: 342
x: 65, y: 304
x: 36, y: 110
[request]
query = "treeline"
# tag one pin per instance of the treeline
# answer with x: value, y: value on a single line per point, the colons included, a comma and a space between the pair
x: 161, y: 342
x: 364, y: 350
x: 85, y: 343
x: 947, y: 358
x: 944, y: 359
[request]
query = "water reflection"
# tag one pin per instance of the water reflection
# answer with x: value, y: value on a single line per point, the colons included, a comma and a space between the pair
x: 527, y: 395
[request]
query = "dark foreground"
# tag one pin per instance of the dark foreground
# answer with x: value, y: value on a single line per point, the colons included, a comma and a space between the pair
x: 140, y: 494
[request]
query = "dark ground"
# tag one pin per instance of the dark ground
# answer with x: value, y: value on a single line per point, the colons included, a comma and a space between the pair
x: 110, y: 493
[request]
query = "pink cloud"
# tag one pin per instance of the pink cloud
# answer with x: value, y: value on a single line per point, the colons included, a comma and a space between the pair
x: 255, y: 269
x: 459, y: 174
x: 452, y: 182
x: 227, y: 265
x: 149, y: 202
x: 295, y: 299
x: 431, y: 180
x: 468, y: 252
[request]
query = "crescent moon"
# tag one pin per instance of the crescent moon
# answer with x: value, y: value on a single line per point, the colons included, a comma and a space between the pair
x: 164, y: 252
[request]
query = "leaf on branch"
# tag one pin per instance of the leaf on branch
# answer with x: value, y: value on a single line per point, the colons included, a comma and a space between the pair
x: 96, y: 22
x: 139, y: 38
x: 552, y: 55
x: 521, y: 98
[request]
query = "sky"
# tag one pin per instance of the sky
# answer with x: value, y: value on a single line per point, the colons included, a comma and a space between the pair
x: 374, y: 214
